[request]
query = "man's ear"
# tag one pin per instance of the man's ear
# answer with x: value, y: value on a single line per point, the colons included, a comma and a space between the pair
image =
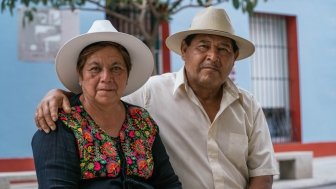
x: 183, y: 49
x: 236, y: 55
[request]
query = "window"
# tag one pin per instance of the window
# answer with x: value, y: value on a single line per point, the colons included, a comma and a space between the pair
x: 272, y: 74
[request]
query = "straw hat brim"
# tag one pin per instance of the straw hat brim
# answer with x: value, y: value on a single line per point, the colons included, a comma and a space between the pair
x: 246, y: 48
x: 141, y: 58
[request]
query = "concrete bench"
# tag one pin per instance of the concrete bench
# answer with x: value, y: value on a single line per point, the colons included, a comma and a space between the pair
x: 6, y: 178
x: 295, y: 165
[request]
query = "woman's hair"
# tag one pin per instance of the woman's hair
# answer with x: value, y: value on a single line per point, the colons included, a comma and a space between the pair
x: 94, y: 47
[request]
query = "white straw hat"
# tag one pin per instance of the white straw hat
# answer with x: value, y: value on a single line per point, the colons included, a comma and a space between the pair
x: 211, y: 21
x: 102, y: 30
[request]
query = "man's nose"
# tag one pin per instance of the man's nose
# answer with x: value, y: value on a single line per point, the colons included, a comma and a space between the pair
x: 213, y: 54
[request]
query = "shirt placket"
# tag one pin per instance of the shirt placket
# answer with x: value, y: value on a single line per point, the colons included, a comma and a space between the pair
x: 213, y: 155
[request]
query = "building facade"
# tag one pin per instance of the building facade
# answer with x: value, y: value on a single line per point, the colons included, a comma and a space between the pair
x: 292, y: 73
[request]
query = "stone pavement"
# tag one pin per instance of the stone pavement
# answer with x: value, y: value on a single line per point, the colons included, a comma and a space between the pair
x: 24, y: 186
x: 324, y: 173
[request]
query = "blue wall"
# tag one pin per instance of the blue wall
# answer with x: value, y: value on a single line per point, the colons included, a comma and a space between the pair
x: 317, y: 54
x: 23, y: 84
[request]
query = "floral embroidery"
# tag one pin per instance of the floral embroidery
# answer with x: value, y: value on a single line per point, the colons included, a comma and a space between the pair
x: 99, y: 153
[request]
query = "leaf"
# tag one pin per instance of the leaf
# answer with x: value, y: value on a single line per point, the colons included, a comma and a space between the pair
x: 28, y: 14
x: 109, y: 3
x: 200, y: 2
x: 236, y: 4
x: 3, y: 7
x: 174, y: 5
x: 11, y: 5
x: 25, y: 2
x: 250, y: 6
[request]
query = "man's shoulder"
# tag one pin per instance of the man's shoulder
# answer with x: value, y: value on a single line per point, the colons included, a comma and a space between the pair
x: 247, y: 98
x: 245, y: 93
x: 165, y: 79
x: 164, y: 76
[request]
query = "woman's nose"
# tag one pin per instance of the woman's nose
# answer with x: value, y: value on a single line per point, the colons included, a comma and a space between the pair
x: 106, y: 75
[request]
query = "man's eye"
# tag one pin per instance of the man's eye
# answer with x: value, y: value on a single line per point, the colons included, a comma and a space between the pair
x: 203, y: 47
x: 225, y: 50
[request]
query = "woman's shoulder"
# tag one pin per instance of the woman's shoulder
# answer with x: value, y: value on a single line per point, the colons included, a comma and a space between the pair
x: 136, y: 110
x: 76, y: 107
x: 140, y: 116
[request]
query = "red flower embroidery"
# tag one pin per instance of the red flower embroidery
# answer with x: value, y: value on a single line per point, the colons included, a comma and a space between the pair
x: 96, y: 166
x: 142, y: 164
x: 131, y: 134
x: 113, y: 168
x: 139, y: 147
x: 108, y: 150
x: 88, y: 175
x: 99, y: 155
x: 129, y: 161
x: 87, y: 136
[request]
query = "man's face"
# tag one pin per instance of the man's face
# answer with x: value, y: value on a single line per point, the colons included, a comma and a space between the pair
x: 208, y: 60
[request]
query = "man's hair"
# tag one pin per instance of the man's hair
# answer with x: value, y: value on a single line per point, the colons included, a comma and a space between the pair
x: 189, y: 39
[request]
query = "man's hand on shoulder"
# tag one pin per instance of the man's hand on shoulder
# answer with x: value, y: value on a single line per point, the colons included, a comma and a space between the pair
x: 47, y: 111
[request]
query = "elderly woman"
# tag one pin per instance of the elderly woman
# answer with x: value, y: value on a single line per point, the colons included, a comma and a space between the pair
x: 104, y: 142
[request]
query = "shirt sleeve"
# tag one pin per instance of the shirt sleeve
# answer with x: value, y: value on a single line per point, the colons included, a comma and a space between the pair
x: 56, y: 158
x: 140, y: 97
x: 261, y: 160
x: 164, y: 176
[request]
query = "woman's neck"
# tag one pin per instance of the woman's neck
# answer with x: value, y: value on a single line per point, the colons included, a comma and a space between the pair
x: 108, y: 117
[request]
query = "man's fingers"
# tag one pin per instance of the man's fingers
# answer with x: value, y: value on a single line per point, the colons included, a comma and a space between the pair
x: 66, y: 105
x: 47, y: 116
x: 36, y: 120
x: 39, y: 120
x: 52, y: 108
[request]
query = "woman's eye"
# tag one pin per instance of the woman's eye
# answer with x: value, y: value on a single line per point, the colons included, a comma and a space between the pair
x: 95, y: 69
x: 116, y: 68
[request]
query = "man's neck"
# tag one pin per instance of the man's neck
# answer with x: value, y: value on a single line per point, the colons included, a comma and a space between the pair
x: 210, y: 100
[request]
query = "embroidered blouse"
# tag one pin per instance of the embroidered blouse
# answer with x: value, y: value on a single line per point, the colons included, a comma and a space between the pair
x: 137, y: 154
x: 100, y: 154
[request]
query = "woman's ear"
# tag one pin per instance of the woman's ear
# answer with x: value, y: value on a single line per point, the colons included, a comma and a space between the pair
x: 80, y: 79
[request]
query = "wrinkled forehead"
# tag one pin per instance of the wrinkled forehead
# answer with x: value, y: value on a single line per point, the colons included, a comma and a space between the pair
x: 210, y: 37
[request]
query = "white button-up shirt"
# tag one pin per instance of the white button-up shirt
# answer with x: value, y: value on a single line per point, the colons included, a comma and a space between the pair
x: 206, y: 155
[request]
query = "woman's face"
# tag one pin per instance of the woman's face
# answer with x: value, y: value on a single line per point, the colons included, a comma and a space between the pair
x: 104, y: 76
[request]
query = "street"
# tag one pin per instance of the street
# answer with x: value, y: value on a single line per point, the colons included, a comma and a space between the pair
x: 325, y: 187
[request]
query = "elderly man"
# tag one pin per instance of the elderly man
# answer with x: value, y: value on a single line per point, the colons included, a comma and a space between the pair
x: 215, y: 133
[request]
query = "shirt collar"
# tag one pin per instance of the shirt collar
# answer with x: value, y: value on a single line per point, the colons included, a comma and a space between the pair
x: 180, y: 80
